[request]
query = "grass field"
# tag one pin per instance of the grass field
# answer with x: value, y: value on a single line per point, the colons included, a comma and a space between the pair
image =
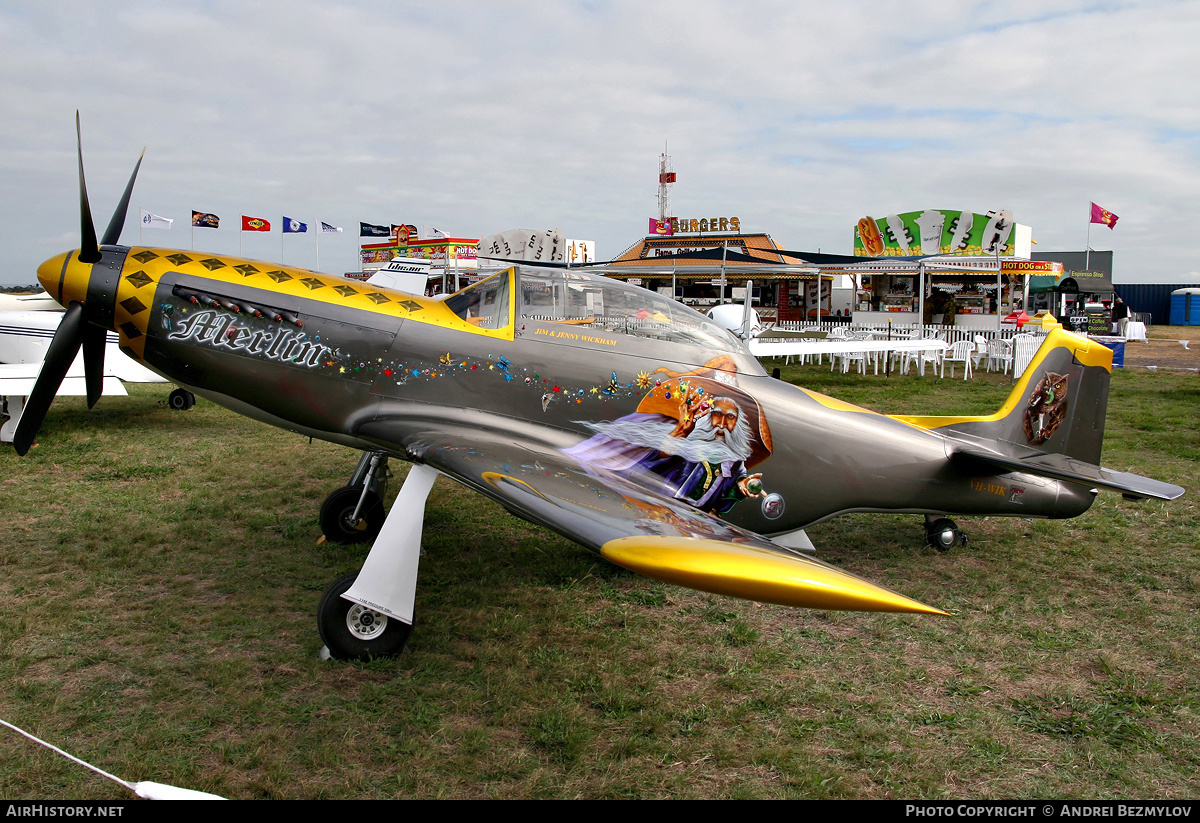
x: 161, y: 574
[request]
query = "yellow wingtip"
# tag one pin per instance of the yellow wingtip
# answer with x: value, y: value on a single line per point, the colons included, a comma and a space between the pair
x: 755, y: 573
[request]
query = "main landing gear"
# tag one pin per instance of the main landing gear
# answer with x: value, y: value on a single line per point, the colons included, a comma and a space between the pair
x: 354, y: 513
x: 369, y: 613
x: 943, y: 533
x: 354, y: 632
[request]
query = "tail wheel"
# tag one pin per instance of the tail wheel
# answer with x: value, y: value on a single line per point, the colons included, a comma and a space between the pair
x: 337, y: 513
x: 944, y: 534
x: 354, y: 632
x: 181, y: 400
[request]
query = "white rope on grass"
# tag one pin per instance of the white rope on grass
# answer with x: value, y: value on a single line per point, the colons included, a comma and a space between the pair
x: 146, y: 788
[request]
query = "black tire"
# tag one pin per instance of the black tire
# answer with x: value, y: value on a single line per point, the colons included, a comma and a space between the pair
x: 339, y: 506
x: 353, y: 632
x: 943, y: 534
x: 181, y: 400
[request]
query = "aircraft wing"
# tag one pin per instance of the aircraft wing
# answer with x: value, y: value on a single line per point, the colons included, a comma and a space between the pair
x: 633, y: 526
x: 17, y: 379
x: 1064, y: 467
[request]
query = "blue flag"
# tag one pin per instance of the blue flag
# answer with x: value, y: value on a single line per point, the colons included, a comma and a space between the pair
x: 291, y: 226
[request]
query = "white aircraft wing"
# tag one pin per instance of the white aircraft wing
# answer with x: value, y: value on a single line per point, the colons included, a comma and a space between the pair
x: 29, y: 302
x: 16, y: 383
x: 17, y: 379
x: 25, y: 336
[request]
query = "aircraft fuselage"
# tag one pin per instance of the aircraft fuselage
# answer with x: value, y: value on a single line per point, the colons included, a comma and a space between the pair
x: 370, y: 367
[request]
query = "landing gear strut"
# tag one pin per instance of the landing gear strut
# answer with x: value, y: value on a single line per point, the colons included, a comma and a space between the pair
x: 369, y: 613
x: 943, y: 533
x: 355, y: 513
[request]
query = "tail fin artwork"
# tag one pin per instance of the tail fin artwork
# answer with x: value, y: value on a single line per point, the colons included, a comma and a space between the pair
x: 1052, y: 423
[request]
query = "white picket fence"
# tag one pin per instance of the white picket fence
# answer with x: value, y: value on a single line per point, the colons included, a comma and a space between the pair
x: 951, y: 334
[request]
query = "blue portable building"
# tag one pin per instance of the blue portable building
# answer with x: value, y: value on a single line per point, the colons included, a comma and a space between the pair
x: 1151, y: 301
x: 1185, y: 307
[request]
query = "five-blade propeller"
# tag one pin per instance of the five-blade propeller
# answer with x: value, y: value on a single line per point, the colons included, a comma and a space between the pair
x: 74, y: 331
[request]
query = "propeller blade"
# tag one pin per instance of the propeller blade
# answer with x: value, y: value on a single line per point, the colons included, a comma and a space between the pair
x: 112, y: 235
x: 59, y: 356
x: 94, y: 339
x: 89, y: 250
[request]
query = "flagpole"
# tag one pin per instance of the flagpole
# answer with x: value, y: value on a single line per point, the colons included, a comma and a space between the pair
x: 1087, y: 250
x: 317, y: 240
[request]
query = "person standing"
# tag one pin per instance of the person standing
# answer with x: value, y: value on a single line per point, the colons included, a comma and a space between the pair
x: 1120, y: 316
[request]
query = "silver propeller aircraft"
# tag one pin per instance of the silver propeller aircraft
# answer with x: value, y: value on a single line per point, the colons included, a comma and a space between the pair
x: 620, y: 419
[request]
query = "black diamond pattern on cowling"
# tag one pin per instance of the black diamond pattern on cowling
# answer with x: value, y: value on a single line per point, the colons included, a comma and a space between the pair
x: 133, y: 305
x: 138, y: 279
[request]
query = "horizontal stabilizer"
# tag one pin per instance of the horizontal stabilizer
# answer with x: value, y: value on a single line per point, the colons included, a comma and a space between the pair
x: 1064, y: 467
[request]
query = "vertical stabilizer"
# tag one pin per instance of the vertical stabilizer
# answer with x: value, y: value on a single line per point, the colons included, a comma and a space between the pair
x: 1058, y: 405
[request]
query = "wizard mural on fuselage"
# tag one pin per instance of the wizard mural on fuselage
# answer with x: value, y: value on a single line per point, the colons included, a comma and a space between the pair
x: 695, y: 437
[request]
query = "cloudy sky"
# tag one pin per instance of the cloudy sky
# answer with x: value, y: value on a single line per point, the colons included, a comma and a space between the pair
x: 477, y: 117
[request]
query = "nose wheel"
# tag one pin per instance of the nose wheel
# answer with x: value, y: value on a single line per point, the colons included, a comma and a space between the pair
x: 943, y: 533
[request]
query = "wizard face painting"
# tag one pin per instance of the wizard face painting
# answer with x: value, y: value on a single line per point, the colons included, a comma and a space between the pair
x: 694, y: 437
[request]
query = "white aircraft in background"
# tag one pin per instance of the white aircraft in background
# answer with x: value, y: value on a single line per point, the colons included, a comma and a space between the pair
x: 24, y: 338
x: 28, y: 302
x: 742, y: 321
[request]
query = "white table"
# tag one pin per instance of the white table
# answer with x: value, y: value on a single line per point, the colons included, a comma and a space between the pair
x: 767, y: 348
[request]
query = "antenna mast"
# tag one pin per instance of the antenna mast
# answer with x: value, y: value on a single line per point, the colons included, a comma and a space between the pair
x: 666, y: 176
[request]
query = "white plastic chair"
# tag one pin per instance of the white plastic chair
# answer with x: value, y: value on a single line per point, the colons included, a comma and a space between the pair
x: 932, y: 358
x: 981, y: 346
x: 850, y: 357
x: 999, y: 355
x: 960, y: 352
x: 929, y: 359
x: 1025, y: 346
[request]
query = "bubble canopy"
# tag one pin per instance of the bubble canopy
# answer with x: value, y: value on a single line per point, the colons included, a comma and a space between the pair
x: 602, y: 304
